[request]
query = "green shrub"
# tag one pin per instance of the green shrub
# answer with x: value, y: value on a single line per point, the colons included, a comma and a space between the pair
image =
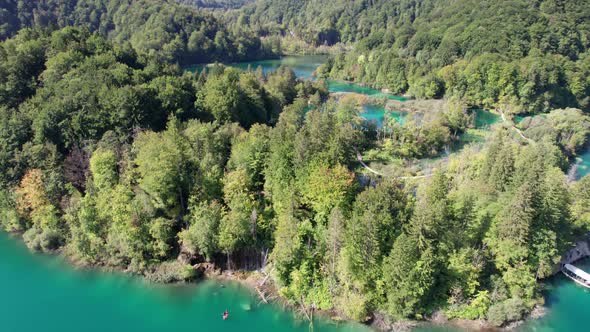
x: 475, y: 310
x: 355, y: 305
x: 507, y: 311
x: 9, y: 218
x: 170, y: 272
x: 40, y: 240
x: 10, y: 221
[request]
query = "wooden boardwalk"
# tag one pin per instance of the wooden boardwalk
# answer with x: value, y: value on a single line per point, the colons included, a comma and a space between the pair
x: 359, y: 157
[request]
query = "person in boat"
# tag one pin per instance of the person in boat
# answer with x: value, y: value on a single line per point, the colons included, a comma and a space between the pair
x: 225, y: 314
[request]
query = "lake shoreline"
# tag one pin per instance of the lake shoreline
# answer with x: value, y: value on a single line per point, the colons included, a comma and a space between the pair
x: 263, y: 287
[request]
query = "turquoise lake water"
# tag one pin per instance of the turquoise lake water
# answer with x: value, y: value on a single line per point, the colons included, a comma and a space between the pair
x: 340, y: 86
x: 569, y: 306
x: 583, y: 162
x: 377, y: 114
x: 304, y: 67
x: 484, y: 118
x: 44, y: 293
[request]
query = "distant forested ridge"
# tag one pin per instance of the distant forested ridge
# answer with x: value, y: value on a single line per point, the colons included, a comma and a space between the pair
x: 522, y: 56
x: 215, y: 4
x: 160, y: 28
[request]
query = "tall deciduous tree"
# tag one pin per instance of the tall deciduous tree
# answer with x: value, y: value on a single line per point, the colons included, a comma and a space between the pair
x: 161, y: 163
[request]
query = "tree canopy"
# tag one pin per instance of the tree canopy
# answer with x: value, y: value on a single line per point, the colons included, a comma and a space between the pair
x: 115, y: 156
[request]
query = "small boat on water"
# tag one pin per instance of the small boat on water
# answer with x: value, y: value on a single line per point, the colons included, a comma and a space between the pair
x: 225, y: 315
x: 578, y: 275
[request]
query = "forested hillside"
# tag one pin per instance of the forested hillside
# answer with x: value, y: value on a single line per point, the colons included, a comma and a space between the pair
x: 130, y: 164
x: 215, y: 4
x: 113, y: 155
x: 500, y: 20
x: 522, y: 56
x: 160, y: 28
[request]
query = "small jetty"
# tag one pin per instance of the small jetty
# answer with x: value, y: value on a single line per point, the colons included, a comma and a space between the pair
x: 579, y: 251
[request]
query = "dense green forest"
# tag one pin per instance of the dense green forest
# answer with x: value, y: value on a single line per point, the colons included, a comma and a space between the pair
x: 159, y: 28
x: 520, y: 56
x: 215, y: 4
x: 113, y: 155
